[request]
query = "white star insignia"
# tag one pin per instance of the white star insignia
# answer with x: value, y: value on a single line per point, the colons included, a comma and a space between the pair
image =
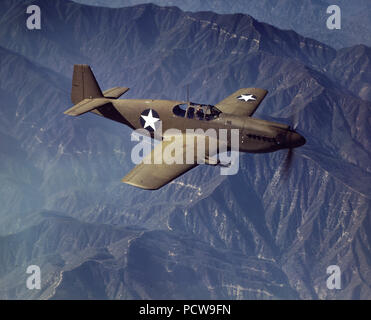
x: 246, y: 97
x: 150, y: 120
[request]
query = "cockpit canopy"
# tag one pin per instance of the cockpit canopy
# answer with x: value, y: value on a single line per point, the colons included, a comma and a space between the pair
x: 196, y: 111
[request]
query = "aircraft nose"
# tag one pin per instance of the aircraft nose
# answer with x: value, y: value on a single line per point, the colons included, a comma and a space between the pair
x: 295, y: 140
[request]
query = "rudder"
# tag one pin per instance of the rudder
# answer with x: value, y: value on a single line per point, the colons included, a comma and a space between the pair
x: 84, y: 84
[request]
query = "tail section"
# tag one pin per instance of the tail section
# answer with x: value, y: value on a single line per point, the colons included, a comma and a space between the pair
x: 84, y: 84
x: 86, y: 105
x: 86, y: 94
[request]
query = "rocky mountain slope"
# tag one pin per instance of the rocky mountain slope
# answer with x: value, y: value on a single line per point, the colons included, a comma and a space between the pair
x: 249, y: 236
x: 307, y: 17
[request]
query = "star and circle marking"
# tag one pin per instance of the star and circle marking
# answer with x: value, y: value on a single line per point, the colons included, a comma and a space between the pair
x: 247, y: 97
x: 149, y: 119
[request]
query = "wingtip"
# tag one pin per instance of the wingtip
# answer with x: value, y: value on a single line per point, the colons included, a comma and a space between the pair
x: 70, y: 112
x: 138, y: 185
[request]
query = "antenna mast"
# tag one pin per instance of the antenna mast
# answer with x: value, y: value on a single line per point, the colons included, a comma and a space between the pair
x: 188, y: 93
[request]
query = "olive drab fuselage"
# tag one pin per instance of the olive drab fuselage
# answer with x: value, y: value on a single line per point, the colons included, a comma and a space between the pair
x: 255, y: 135
x: 227, y: 126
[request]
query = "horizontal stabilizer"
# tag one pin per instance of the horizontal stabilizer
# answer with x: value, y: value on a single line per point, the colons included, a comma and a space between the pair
x: 115, y: 93
x: 86, y: 105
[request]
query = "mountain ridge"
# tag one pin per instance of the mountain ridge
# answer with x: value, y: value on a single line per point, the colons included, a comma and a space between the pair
x: 300, y: 226
x: 306, y: 17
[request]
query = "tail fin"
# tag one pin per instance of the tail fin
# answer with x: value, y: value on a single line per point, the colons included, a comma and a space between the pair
x: 84, y: 84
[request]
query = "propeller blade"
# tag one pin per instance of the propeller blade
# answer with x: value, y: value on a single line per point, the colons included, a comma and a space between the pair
x: 294, y: 120
x: 288, y: 162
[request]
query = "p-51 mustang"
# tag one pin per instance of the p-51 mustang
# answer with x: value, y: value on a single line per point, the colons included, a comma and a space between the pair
x: 234, y: 112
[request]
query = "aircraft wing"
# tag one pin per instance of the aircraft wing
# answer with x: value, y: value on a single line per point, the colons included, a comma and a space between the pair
x: 243, y: 102
x: 151, y: 176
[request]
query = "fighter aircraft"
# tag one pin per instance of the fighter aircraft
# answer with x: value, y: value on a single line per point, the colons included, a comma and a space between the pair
x: 234, y: 112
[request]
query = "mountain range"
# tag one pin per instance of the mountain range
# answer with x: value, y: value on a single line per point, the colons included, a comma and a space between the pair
x: 255, y: 235
x: 307, y: 17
